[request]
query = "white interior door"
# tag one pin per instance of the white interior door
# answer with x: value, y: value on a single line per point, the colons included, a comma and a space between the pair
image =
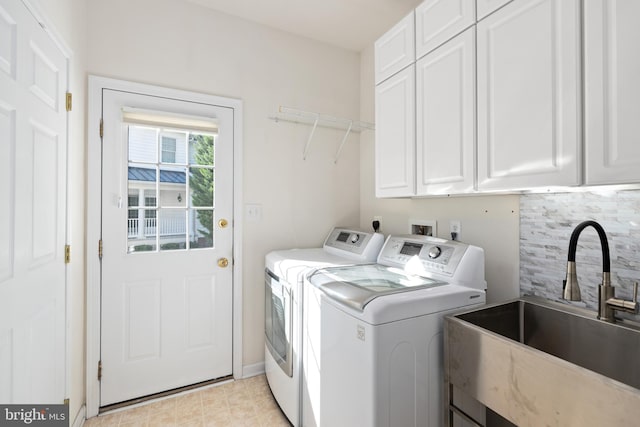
x: 167, y: 204
x: 33, y: 138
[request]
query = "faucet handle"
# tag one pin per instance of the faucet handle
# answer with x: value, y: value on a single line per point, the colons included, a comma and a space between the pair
x: 630, y: 306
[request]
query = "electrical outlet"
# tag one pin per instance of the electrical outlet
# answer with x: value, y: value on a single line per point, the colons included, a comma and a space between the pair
x: 454, y: 227
x: 376, y: 223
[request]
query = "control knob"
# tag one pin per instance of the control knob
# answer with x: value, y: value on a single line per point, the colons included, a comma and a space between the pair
x: 354, y: 238
x: 434, y: 252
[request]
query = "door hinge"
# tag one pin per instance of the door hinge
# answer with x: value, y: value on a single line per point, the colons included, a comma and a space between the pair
x: 99, y: 370
x: 67, y: 254
x: 66, y: 401
x: 100, y: 249
x: 101, y: 128
x: 69, y: 101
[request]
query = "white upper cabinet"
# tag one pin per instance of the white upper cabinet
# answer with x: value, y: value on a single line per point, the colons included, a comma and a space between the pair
x: 612, y: 91
x: 395, y: 49
x: 395, y: 135
x: 486, y: 7
x: 439, y: 20
x: 529, y: 109
x: 445, y: 111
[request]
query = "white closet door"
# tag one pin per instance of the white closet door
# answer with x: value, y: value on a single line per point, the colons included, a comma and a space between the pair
x: 33, y: 144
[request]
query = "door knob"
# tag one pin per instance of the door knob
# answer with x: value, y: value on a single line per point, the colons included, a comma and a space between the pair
x: 223, y: 262
x: 223, y: 223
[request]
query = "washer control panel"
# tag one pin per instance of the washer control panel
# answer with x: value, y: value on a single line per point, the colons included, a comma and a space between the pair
x: 422, y: 254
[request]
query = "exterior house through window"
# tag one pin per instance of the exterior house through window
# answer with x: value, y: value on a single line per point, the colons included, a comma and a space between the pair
x: 170, y: 189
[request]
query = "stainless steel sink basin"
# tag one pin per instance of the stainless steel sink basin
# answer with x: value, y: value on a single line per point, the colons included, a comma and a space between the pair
x: 605, y: 348
x: 536, y: 362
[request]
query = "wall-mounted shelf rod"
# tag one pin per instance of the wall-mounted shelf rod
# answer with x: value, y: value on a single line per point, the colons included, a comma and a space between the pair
x: 293, y: 115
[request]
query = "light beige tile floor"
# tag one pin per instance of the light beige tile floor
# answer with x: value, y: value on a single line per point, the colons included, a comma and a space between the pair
x: 247, y: 402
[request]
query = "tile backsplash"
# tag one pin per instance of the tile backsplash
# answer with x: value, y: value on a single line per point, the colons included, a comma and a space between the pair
x: 546, y: 224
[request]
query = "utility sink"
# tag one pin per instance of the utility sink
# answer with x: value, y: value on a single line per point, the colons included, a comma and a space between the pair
x: 607, y: 349
x: 536, y: 362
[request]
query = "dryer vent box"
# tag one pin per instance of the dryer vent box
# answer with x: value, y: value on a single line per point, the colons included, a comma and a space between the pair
x: 422, y: 227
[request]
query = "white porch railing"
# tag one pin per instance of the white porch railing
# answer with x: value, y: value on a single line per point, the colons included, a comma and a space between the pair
x: 167, y: 227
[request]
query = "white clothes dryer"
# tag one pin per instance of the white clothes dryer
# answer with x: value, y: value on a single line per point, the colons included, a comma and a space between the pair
x: 373, y: 342
x: 285, y: 271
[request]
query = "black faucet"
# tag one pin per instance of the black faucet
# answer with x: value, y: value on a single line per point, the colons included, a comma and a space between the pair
x: 607, y: 303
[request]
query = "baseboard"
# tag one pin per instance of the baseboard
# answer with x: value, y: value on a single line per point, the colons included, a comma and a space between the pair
x: 80, y: 417
x: 249, y: 371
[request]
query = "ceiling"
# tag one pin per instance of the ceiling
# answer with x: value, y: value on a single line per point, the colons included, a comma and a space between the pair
x: 350, y: 24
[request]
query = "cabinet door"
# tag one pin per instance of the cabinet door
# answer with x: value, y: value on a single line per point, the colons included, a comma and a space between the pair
x: 445, y: 111
x: 612, y: 91
x: 529, y: 96
x: 486, y: 7
x: 395, y: 135
x: 395, y: 49
x: 439, y: 20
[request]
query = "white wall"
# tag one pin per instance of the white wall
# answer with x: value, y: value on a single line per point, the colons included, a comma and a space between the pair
x: 68, y: 20
x: 182, y: 45
x: 491, y: 222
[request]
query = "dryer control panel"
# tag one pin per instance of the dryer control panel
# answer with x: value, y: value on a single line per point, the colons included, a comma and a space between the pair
x: 355, y: 244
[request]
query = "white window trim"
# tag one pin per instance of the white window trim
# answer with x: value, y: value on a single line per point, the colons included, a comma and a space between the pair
x: 96, y: 85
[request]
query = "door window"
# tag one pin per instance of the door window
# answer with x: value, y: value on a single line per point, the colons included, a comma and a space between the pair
x: 171, y: 201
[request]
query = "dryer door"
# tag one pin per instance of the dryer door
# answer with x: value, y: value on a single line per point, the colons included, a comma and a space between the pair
x: 278, y: 325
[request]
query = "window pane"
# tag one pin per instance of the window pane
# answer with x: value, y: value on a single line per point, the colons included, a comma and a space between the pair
x: 133, y: 224
x: 143, y: 144
x: 171, y: 189
x: 173, y: 186
x: 141, y: 230
x: 149, y: 246
x: 141, y: 184
x: 172, y: 228
x: 201, y: 149
x: 202, y: 230
x: 201, y: 184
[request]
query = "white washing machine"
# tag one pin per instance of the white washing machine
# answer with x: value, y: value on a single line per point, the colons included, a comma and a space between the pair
x: 285, y: 271
x: 373, y: 342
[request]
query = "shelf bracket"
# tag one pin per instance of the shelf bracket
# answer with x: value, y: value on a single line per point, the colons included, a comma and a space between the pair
x: 344, y: 139
x: 294, y: 115
x: 313, y: 130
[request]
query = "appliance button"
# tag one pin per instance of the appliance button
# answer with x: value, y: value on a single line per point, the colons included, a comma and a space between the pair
x: 434, y: 252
